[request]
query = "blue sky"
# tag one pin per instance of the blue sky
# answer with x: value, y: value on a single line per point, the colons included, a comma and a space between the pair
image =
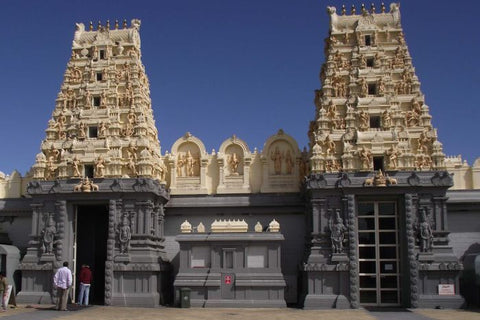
x: 222, y: 67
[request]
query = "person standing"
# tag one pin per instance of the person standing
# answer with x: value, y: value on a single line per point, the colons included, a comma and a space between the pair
x: 63, y: 281
x: 3, y: 291
x: 85, y: 282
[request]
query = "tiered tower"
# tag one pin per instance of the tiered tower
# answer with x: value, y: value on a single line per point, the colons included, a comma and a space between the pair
x: 102, y: 132
x: 370, y: 112
x: 371, y: 116
x: 102, y: 124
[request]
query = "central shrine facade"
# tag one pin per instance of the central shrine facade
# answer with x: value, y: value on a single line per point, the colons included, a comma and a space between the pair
x: 358, y: 219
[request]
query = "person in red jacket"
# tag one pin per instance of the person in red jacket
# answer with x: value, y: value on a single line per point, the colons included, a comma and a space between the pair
x: 85, y: 282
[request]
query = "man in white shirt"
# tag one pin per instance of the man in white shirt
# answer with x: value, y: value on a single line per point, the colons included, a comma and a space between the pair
x: 63, y: 281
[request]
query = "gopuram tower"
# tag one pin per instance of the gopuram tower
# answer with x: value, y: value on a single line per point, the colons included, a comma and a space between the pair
x: 377, y: 211
x: 98, y: 190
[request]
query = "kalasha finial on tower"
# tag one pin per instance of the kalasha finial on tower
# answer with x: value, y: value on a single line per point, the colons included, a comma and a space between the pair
x: 90, y: 26
x: 124, y: 25
x: 344, y: 10
x: 382, y: 8
x: 108, y: 25
x: 372, y: 7
x: 116, y: 24
x: 99, y: 25
x: 353, y: 10
x: 363, y: 10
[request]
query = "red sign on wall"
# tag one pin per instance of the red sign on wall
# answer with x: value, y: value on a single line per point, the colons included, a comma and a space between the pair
x: 228, y: 279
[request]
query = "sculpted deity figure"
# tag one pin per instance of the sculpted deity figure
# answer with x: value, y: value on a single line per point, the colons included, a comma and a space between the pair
x: 381, y: 86
x: 337, y: 232
x: 277, y: 157
x: 424, y: 143
x: 124, y: 234
x: 131, y: 165
x: 393, y: 154
x: 234, y: 162
x: 60, y: 126
x: 362, y: 62
x: 75, y: 166
x: 102, y: 130
x: 363, y: 87
x: 48, y: 234
x: 386, y: 120
x: 180, y: 165
x: 99, y: 167
x: 329, y: 146
x: 88, y: 100
x: 50, y: 168
x: 289, y: 162
x: 331, y: 110
x: 94, y: 53
x: 190, y: 163
x: 365, y: 157
x: 425, y: 232
x: 364, y: 120
x: 424, y: 162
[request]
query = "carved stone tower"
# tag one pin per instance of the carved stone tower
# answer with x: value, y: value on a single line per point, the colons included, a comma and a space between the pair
x: 377, y: 210
x: 99, y: 181
x: 370, y: 112
x: 102, y: 124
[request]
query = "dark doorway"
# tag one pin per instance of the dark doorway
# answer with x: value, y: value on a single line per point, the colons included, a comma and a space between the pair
x: 92, y: 234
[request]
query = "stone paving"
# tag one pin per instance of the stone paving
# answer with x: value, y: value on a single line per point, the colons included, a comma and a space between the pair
x: 44, y: 312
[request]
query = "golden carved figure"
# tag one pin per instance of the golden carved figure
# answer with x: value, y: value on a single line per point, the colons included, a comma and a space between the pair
x: 393, y: 154
x: 365, y: 157
x: 329, y: 146
x: 99, y: 167
x: 85, y: 186
x: 180, y: 164
x: 277, y: 157
x: 131, y: 165
x: 386, y: 120
x: 190, y: 163
x: 364, y: 120
x: 75, y: 165
x: 233, y: 162
x: 424, y: 143
x: 50, y: 169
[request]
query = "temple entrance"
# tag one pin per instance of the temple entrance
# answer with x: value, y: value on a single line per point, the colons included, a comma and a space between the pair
x: 91, y: 233
x: 378, y: 253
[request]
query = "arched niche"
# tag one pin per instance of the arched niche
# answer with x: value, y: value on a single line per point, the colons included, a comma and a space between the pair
x: 187, y: 163
x: 234, y: 159
x: 280, y: 163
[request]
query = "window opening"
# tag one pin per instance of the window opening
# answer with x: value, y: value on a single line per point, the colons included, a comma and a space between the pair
x: 88, y: 170
x: 378, y: 163
x: 93, y: 132
x: 374, y: 122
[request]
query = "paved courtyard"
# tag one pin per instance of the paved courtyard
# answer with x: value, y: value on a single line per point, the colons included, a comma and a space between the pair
x: 43, y: 312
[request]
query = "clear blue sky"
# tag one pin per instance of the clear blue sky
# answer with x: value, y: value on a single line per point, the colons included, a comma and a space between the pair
x: 222, y: 67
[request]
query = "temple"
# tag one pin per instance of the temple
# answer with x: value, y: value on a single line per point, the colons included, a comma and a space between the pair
x: 372, y: 213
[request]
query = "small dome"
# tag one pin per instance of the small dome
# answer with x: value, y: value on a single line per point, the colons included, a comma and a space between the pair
x: 40, y: 157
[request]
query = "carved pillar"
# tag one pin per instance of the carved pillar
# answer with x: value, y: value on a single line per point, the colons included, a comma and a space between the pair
x: 352, y: 239
x: 112, y: 213
x: 246, y: 173
x: 221, y: 169
x: 203, y: 172
x: 319, y: 237
x: 411, y: 255
x: 61, y: 214
x: 161, y: 220
x: 37, y: 209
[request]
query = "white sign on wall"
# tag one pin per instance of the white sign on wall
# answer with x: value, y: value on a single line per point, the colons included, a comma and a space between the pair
x: 446, y: 289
